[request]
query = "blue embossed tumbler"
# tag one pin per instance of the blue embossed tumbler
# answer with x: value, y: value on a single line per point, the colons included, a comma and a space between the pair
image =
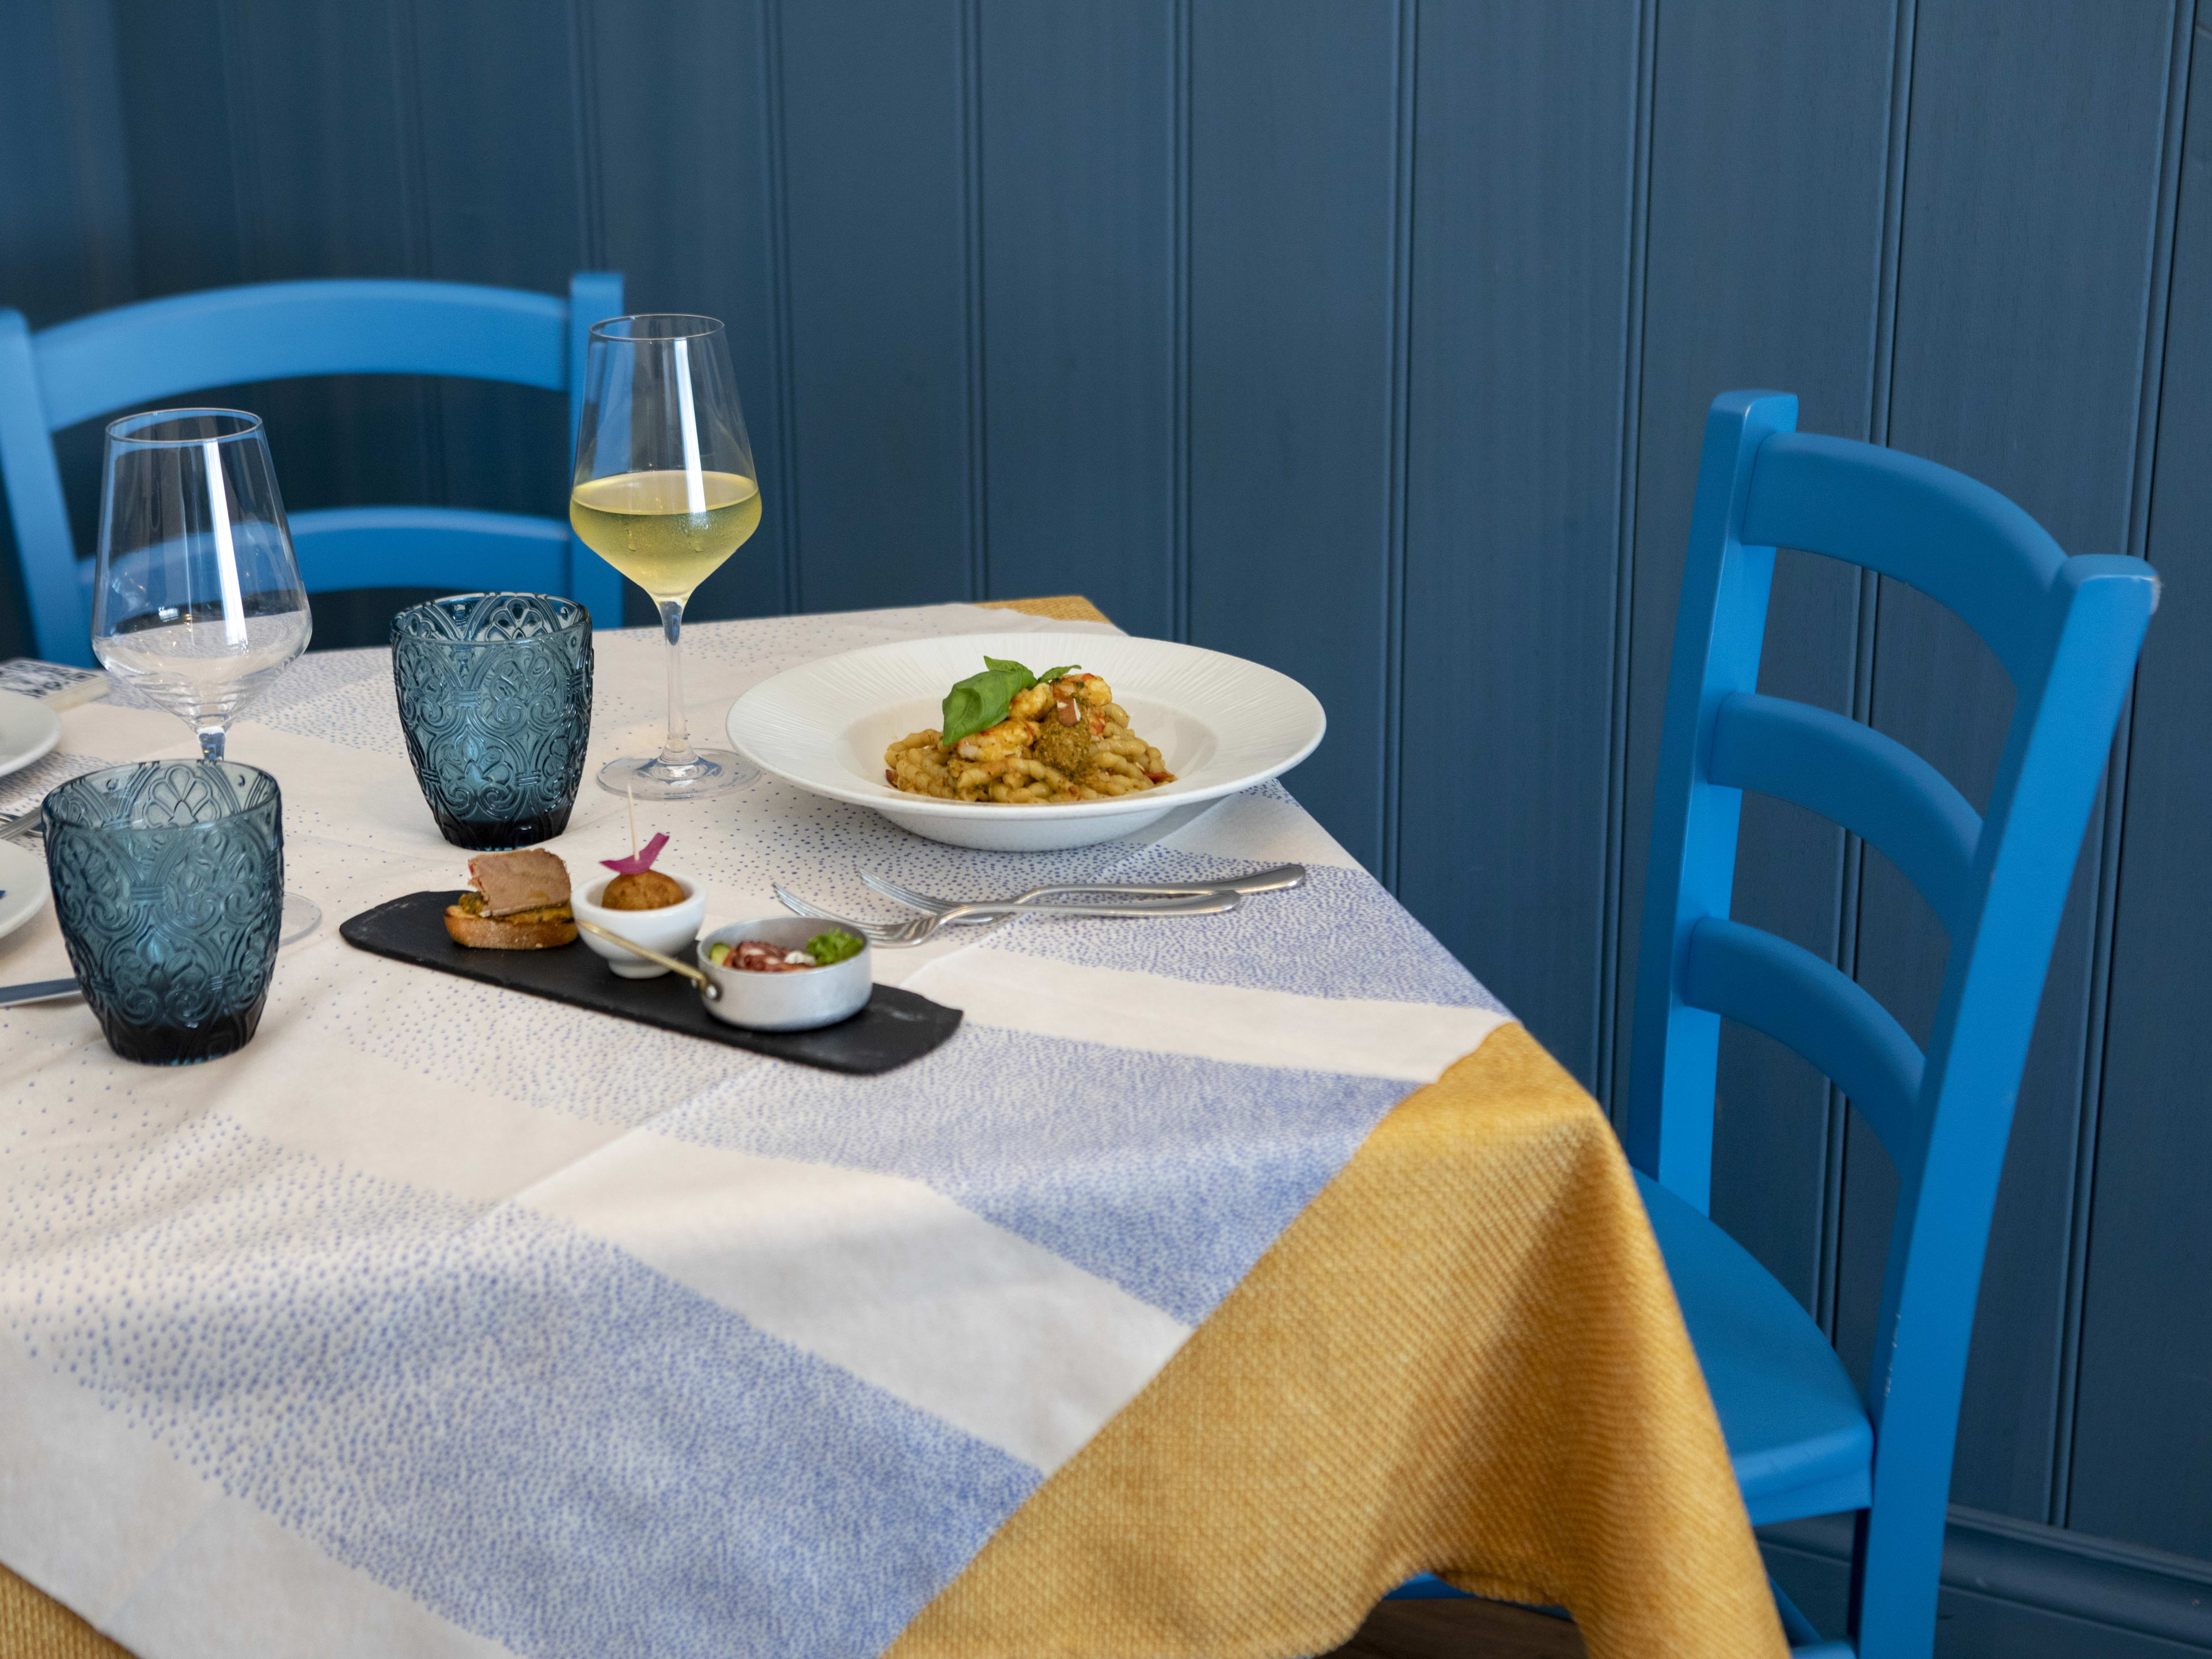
x: 168, y: 881
x: 495, y: 700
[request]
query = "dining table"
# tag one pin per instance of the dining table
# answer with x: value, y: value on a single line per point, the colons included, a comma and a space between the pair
x: 1218, y: 1274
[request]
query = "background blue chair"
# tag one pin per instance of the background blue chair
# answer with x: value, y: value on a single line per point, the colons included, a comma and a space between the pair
x: 2067, y: 631
x: 160, y: 349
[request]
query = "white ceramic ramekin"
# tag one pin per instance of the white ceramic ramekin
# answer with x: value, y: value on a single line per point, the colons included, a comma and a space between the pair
x: 669, y: 930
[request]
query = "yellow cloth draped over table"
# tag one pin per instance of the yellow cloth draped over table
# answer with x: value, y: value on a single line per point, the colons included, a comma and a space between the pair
x: 1464, y: 1356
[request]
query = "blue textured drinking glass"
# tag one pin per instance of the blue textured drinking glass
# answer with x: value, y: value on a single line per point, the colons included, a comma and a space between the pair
x: 495, y: 700
x: 168, y: 881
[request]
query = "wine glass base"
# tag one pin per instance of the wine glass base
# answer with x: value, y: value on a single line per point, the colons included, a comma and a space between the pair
x: 711, y: 772
x: 301, y: 917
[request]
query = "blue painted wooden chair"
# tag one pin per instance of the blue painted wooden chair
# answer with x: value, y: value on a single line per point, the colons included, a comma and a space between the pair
x: 2067, y: 631
x: 158, y: 348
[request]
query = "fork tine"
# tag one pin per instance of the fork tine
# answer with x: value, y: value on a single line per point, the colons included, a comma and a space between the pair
x: 876, y: 933
x: 906, y: 896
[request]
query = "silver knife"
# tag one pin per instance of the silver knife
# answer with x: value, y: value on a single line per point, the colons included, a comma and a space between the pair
x: 23, y: 825
x: 37, y: 990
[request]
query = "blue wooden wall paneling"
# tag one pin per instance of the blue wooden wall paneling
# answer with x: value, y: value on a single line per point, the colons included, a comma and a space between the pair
x: 509, y: 197
x: 1078, y: 169
x: 325, y: 122
x: 691, y: 225
x: 875, y: 135
x: 65, y: 195
x: 2142, y: 1462
x: 2040, y: 131
x: 1294, y: 163
x: 1762, y: 283
x: 1525, y: 167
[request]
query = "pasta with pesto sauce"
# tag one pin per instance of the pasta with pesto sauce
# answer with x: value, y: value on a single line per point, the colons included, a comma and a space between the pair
x: 1062, y: 740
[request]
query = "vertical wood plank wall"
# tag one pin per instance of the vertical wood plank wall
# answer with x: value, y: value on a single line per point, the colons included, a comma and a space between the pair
x: 1370, y: 338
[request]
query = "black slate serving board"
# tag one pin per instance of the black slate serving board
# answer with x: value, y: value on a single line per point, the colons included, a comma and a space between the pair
x: 897, y: 1026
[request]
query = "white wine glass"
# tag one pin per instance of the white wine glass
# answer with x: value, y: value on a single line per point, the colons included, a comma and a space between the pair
x: 198, y: 603
x: 664, y: 491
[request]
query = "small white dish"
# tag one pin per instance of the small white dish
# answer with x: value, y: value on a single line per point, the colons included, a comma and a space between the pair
x: 787, y: 1002
x: 22, y: 886
x: 1223, y: 725
x: 28, y: 729
x: 667, y: 929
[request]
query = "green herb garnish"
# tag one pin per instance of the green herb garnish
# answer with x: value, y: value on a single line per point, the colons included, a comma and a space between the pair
x: 982, y: 701
x: 826, y: 948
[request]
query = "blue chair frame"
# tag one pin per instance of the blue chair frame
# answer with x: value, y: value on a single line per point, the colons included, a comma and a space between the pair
x: 2067, y: 631
x: 158, y: 348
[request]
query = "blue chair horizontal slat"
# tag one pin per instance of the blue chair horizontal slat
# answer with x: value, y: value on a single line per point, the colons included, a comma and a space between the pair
x: 276, y: 330
x: 1955, y: 539
x: 2067, y: 631
x: 1861, y: 778
x: 454, y: 549
x: 1752, y: 976
x: 158, y: 348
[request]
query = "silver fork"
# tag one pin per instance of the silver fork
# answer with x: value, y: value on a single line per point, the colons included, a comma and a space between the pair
x: 1282, y: 878
x: 892, y: 935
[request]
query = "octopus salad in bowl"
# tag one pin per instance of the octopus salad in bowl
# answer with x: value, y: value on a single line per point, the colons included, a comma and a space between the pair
x: 956, y: 738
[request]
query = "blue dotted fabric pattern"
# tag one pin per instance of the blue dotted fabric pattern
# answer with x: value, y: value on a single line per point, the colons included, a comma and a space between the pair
x: 525, y: 1429
x: 1167, y: 1174
x: 1340, y: 935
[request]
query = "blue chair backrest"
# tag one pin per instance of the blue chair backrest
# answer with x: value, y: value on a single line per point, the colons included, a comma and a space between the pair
x: 2067, y: 631
x: 158, y: 348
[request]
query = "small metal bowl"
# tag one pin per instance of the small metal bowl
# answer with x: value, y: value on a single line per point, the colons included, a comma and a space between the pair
x: 787, y: 1002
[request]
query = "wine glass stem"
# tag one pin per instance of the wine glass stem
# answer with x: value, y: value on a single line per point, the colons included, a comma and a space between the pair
x: 676, y: 750
x: 210, y: 743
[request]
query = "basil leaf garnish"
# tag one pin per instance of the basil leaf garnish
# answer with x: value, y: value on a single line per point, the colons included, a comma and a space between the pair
x: 979, y: 701
x: 1052, y: 674
x: 982, y: 701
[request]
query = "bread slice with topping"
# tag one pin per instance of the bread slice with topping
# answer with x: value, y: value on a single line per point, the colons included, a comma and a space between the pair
x: 520, y: 903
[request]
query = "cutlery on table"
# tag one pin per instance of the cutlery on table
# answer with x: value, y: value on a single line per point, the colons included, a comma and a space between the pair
x: 1280, y: 878
x: 23, y: 825
x: 891, y: 935
x: 37, y: 990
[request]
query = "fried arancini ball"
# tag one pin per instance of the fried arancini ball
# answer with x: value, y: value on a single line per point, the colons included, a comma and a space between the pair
x: 642, y: 890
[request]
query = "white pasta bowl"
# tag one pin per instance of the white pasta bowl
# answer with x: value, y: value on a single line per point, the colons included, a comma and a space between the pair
x: 1222, y: 724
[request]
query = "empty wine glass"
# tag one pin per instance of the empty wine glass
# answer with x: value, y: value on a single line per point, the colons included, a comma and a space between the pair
x: 198, y: 603
x: 664, y: 491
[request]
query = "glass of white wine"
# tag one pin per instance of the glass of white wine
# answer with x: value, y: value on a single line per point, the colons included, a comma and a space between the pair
x: 198, y: 603
x: 664, y: 491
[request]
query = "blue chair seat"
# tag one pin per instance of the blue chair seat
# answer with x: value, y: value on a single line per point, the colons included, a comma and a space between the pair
x: 1797, y: 1433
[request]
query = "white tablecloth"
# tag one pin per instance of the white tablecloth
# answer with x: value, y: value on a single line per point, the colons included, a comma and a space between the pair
x: 442, y: 1320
